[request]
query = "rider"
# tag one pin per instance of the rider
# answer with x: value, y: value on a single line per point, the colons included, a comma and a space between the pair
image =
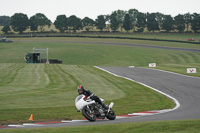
x: 87, y: 93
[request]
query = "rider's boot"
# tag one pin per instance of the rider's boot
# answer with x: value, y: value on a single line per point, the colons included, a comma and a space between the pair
x: 105, y: 106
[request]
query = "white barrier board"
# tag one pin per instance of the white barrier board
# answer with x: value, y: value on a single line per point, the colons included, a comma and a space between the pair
x: 191, y: 70
x: 152, y: 64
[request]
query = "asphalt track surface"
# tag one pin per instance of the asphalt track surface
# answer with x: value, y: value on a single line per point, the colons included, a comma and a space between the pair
x: 125, y: 44
x: 185, y: 89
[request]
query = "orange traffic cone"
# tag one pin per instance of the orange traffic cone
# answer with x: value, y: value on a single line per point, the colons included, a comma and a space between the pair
x: 31, y: 117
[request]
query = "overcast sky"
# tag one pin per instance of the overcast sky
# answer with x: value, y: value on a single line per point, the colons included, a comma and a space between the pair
x: 93, y: 8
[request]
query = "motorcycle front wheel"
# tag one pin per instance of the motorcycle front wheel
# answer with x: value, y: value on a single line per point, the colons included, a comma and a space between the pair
x: 111, y: 115
x: 88, y: 114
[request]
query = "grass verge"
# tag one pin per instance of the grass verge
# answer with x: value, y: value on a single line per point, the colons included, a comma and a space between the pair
x: 183, y: 126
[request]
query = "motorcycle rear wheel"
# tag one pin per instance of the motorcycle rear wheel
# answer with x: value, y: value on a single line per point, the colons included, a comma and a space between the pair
x: 89, y: 116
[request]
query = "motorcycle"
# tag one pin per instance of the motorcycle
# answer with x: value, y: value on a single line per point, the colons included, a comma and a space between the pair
x: 92, y: 110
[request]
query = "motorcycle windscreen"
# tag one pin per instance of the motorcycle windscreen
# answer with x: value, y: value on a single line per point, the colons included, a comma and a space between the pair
x: 79, y: 98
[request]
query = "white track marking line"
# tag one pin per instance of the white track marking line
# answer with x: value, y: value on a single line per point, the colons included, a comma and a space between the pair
x: 78, y: 120
x: 31, y: 124
x: 142, y: 114
x: 15, y: 126
x: 66, y: 121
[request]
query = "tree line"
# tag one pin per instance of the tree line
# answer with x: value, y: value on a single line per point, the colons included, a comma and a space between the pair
x: 118, y: 20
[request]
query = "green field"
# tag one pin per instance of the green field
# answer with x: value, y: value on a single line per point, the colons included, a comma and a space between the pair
x: 48, y: 90
x: 85, y: 52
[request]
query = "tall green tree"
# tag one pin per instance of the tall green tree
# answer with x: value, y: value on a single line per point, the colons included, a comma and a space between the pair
x: 159, y: 18
x: 179, y: 22
x: 141, y: 22
x: 168, y: 23
x: 120, y: 18
x: 5, y: 20
x: 127, y: 25
x: 88, y: 23
x: 101, y: 22
x: 61, y: 23
x: 107, y: 19
x: 114, y: 23
x: 6, y: 29
x: 33, y: 25
x: 39, y: 20
x: 133, y: 17
x: 152, y: 23
x: 19, y: 22
x: 195, y: 22
x: 75, y: 23
x: 187, y: 19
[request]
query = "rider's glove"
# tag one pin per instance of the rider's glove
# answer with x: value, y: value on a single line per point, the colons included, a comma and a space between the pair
x: 91, y: 96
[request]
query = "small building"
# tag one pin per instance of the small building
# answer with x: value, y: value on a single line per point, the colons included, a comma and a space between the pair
x: 33, y: 58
